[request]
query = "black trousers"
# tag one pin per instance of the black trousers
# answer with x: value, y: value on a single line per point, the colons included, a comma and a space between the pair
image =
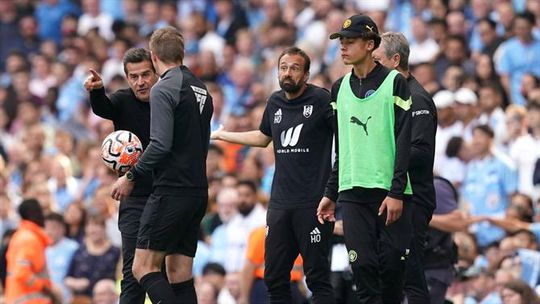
x: 128, y: 222
x: 415, y: 281
x: 289, y: 233
x: 377, y: 252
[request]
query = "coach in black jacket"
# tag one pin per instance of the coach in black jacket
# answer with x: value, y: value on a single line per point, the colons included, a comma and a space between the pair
x: 129, y: 110
x: 394, y: 53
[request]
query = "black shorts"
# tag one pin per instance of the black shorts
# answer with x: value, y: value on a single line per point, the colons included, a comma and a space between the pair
x: 129, y: 215
x: 171, y: 224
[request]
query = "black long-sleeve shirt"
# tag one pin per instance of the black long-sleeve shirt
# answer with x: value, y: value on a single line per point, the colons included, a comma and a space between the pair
x: 362, y: 88
x: 129, y: 113
x: 181, y: 109
x: 423, y: 130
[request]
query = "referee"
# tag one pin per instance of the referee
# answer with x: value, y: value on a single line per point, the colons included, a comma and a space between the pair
x: 129, y: 110
x: 181, y: 109
x: 298, y: 119
x: 370, y: 173
x: 393, y: 53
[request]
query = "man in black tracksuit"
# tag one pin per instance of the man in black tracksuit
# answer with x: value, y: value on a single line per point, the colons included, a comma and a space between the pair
x: 370, y: 174
x: 393, y: 53
x: 299, y: 121
x: 181, y: 109
x: 129, y: 110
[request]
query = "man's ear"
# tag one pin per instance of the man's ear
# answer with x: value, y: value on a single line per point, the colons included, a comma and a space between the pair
x: 396, y: 58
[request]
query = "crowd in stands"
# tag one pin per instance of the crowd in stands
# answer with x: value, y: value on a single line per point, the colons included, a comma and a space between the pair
x: 480, y: 59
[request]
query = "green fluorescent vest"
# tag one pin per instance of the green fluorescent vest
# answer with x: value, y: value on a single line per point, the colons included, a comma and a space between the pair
x: 367, y: 144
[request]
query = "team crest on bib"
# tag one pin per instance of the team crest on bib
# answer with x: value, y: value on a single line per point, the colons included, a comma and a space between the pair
x: 277, y: 116
x: 308, y: 109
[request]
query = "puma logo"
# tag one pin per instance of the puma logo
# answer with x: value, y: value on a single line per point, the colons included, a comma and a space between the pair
x: 362, y: 124
x: 370, y: 28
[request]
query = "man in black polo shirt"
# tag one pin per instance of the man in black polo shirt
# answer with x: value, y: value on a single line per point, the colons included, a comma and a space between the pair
x: 129, y: 110
x: 393, y: 53
x: 181, y: 109
x: 298, y: 119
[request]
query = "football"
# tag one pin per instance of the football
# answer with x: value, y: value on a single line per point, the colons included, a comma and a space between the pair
x: 120, y: 150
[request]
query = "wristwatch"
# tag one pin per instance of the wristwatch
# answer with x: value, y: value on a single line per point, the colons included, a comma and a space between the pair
x: 130, y: 176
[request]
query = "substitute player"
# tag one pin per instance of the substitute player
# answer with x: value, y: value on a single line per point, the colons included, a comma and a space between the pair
x: 298, y: 119
x: 129, y: 110
x: 373, y: 140
x: 181, y: 109
x: 393, y: 53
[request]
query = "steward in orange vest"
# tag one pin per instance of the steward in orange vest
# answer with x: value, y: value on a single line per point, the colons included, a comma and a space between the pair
x: 27, y: 276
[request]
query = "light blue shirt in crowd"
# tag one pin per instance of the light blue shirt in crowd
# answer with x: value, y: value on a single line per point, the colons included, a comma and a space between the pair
x: 488, y: 183
x: 58, y: 260
x: 515, y: 66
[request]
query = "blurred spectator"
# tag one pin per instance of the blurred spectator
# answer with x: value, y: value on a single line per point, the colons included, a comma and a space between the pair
x: 458, y: 154
x: 8, y: 220
x: 230, y: 19
x: 529, y: 82
x: 9, y: 32
x: 206, y: 293
x: 151, y: 18
x: 487, y: 31
x: 250, y: 215
x: 516, y: 126
x: 511, y: 67
x: 455, y: 52
x: 518, y: 292
x: 27, y: 271
x: 49, y: 14
x: 526, y: 151
x: 96, y: 259
x: 42, y: 80
x: 447, y: 128
x: 466, y: 111
x: 489, y: 180
x: 483, y: 288
x: 60, y: 252
x: 491, y: 112
x: 106, y: 207
x: 62, y: 183
x: 95, y: 18
x: 104, y: 292
x: 227, y: 203
x: 28, y: 29
x: 75, y: 217
x: 423, y: 48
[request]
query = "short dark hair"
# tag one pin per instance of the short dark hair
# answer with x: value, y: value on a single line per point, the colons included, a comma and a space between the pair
x: 454, y: 145
x: 136, y: 55
x: 213, y: 268
x: 485, y: 129
x: 249, y: 183
x: 31, y: 210
x: 293, y: 50
x: 492, y: 24
x: 55, y: 217
x: 167, y: 44
x: 528, y: 16
x: 533, y: 106
x: 366, y: 36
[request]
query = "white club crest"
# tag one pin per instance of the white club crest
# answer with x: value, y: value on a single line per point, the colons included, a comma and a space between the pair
x: 277, y: 116
x: 308, y: 109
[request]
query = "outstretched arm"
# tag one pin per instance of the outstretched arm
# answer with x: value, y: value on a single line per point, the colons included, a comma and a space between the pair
x: 250, y: 138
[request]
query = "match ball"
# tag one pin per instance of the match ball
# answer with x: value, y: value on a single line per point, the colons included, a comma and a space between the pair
x: 121, y: 150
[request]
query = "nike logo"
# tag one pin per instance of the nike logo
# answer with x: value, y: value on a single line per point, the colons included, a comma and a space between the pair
x: 362, y: 124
